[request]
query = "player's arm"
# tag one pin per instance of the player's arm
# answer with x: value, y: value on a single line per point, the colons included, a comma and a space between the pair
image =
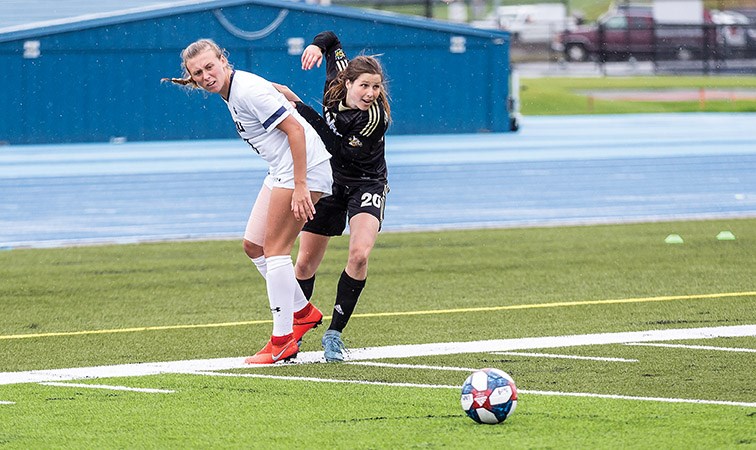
x: 288, y: 93
x: 301, y: 202
x: 325, y: 44
x: 329, y: 138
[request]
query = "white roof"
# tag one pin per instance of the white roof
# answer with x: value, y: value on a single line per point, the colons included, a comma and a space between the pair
x: 18, y: 15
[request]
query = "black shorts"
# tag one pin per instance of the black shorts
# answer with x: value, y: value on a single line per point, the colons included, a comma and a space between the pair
x: 333, y: 212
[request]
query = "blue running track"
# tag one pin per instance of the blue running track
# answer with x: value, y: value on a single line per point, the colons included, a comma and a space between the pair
x: 556, y: 171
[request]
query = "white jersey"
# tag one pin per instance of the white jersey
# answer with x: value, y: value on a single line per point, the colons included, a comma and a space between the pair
x: 257, y: 108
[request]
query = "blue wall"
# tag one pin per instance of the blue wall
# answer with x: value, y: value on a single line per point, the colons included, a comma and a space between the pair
x: 99, y: 79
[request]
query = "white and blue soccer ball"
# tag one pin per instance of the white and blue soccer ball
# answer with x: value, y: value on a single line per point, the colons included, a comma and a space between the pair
x: 489, y: 396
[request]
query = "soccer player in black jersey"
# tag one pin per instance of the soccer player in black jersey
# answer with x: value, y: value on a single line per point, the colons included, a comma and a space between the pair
x: 357, y: 114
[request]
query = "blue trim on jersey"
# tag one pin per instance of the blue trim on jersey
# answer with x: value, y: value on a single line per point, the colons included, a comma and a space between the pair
x: 230, y: 83
x: 274, y: 117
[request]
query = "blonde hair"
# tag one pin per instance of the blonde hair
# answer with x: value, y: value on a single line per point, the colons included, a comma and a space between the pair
x: 194, y: 49
x: 361, y: 64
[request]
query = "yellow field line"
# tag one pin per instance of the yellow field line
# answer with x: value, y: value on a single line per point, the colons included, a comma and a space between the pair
x: 131, y: 330
x: 399, y: 313
x: 560, y: 304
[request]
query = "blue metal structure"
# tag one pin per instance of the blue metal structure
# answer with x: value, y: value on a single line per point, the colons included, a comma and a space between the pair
x: 98, y: 78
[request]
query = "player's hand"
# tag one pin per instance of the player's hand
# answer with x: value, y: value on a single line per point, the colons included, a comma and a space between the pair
x: 311, y: 56
x: 301, y: 204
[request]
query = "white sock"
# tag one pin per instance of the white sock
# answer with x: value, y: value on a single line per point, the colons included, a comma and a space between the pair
x: 300, y: 301
x: 261, y: 265
x: 282, y: 285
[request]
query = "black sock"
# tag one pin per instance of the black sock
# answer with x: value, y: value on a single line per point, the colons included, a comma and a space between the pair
x: 307, y: 286
x: 347, y: 294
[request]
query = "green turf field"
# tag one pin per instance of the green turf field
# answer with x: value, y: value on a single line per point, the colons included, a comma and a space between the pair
x: 164, y: 302
x: 558, y: 95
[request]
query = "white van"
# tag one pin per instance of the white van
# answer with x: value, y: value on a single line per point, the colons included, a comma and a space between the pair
x: 539, y: 22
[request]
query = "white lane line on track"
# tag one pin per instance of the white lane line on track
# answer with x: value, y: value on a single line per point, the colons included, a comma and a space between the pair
x: 694, y: 347
x: 441, y: 386
x: 551, y: 355
x: 387, y: 352
x: 110, y: 388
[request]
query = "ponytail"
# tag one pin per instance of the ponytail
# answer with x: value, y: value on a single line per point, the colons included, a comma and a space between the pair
x: 194, y: 49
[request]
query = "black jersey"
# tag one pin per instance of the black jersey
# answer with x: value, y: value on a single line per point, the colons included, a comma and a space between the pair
x: 358, y: 148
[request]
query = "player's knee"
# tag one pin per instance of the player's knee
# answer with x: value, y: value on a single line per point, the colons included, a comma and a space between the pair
x: 252, y: 250
x: 305, y: 267
x: 358, y: 256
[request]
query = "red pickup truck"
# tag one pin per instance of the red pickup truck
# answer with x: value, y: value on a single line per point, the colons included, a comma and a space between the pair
x: 633, y: 33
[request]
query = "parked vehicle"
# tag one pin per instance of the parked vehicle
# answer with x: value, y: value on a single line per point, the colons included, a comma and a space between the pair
x: 732, y: 29
x: 735, y: 33
x: 536, y: 23
x: 632, y: 32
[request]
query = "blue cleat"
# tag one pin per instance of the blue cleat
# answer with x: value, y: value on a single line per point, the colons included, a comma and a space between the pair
x: 333, y: 346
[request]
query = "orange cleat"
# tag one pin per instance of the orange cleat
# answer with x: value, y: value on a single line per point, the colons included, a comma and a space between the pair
x: 272, y: 353
x: 312, y: 319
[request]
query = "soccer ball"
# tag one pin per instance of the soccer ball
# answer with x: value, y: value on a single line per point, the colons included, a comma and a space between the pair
x: 489, y: 396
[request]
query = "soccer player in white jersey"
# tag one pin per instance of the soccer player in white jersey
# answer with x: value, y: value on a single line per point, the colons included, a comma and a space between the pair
x: 299, y: 175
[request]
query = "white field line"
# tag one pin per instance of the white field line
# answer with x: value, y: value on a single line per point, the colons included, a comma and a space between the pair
x: 108, y: 387
x: 696, y: 347
x: 551, y: 355
x: 2, y: 402
x: 442, y: 386
x: 411, y: 366
x: 647, y: 399
x: 324, y: 380
x: 388, y: 352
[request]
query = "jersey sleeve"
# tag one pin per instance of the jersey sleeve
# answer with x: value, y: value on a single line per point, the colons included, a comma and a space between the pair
x: 336, y: 59
x: 264, y: 103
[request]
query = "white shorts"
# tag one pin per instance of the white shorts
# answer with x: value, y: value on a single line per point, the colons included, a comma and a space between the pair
x: 319, y: 179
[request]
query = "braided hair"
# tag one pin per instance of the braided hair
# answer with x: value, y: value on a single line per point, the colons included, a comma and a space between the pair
x: 194, y: 49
